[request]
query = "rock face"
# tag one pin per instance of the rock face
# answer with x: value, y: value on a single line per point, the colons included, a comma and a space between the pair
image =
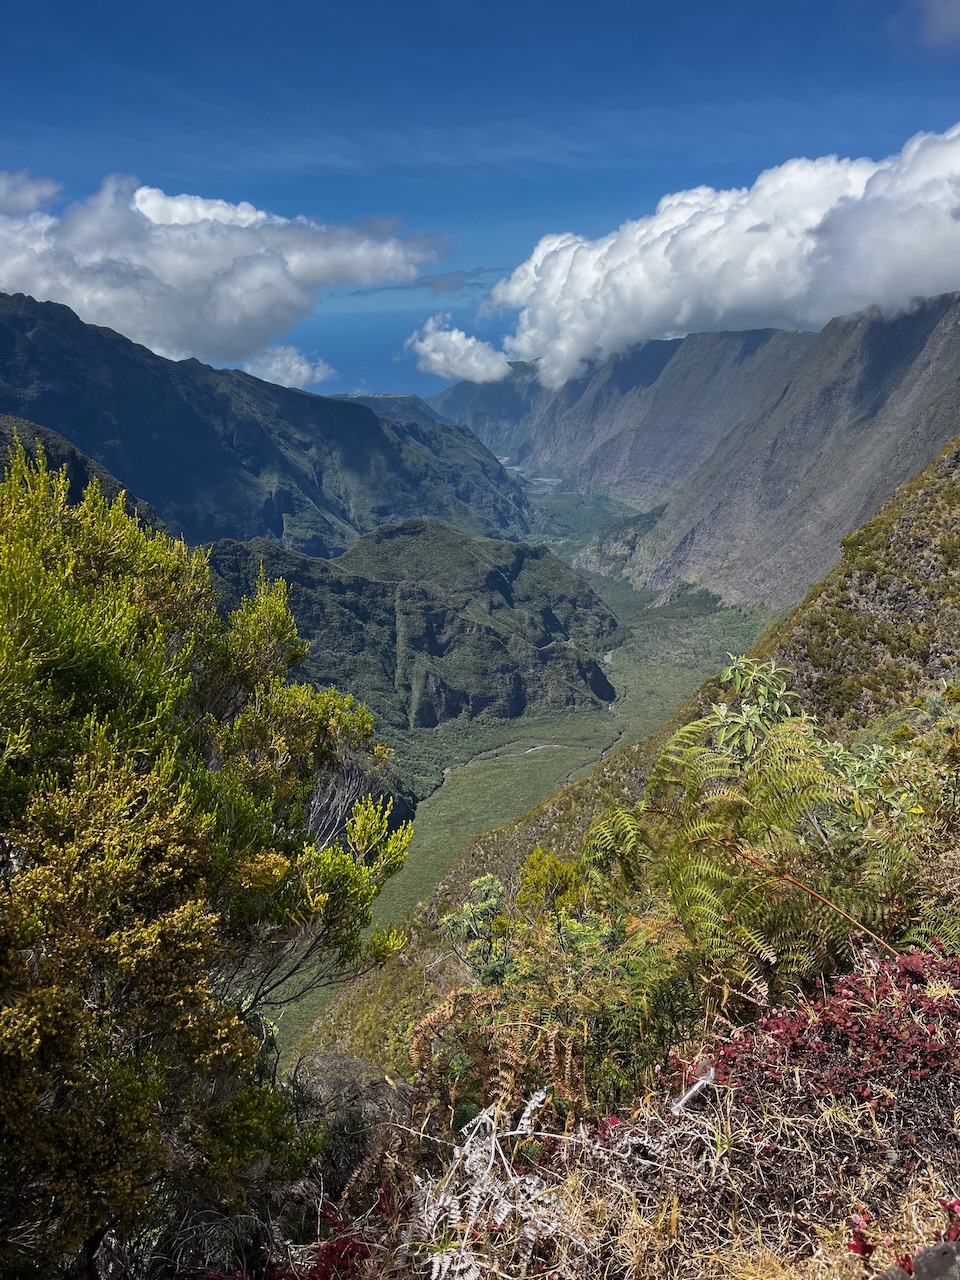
x: 219, y: 453
x: 636, y: 427
x: 940, y: 1262
x: 426, y: 625
x: 868, y: 404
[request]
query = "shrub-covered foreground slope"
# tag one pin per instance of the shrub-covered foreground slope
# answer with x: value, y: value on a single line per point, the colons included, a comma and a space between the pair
x: 767, y: 853
x: 882, y: 627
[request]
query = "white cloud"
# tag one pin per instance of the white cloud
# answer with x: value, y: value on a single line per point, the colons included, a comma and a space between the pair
x: 450, y: 353
x: 288, y: 367
x: 19, y: 193
x: 941, y: 21
x: 185, y: 275
x: 809, y: 240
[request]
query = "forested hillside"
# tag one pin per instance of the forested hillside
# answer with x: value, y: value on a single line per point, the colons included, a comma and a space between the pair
x: 429, y: 626
x: 80, y: 469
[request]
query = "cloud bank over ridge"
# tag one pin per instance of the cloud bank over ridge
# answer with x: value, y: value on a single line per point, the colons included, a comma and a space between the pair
x: 810, y: 239
x: 185, y: 275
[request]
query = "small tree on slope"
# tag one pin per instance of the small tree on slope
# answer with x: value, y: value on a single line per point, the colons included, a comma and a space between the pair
x: 158, y: 884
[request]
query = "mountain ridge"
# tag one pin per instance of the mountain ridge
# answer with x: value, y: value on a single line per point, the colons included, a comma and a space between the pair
x: 624, y: 428
x: 219, y: 453
x: 748, y: 456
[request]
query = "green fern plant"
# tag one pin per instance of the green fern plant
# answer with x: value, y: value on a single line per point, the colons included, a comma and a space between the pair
x: 761, y: 856
x: 775, y: 848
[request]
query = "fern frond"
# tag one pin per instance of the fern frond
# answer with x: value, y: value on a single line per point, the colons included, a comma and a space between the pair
x: 619, y: 833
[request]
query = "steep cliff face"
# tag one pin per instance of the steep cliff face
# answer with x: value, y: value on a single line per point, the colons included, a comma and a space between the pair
x: 870, y: 401
x: 219, y: 453
x: 640, y: 423
x: 659, y: 433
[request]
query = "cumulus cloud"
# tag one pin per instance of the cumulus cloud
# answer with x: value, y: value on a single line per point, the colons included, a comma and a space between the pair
x: 19, y: 193
x: 941, y: 21
x: 186, y: 275
x: 450, y: 353
x: 288, y: 367
x: 810, y: 239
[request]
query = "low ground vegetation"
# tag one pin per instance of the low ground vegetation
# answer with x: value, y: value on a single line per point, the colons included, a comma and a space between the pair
x: 817, y: 1143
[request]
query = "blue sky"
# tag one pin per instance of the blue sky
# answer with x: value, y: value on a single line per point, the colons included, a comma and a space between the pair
x: 410, y: 156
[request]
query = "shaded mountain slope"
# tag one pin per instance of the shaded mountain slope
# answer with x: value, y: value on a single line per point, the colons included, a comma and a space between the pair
x: 81, y: 470
x: 503, y: 414
x: 399, y: 407
x: 425, y: 625
x: 219, y: 453
x: 870, y: 401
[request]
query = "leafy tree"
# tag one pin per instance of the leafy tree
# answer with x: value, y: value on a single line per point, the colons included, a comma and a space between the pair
x: 160, y: 890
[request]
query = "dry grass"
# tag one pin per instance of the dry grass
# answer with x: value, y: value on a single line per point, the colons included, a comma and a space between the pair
x: 661, y: 1197
x: 839, y: 1112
